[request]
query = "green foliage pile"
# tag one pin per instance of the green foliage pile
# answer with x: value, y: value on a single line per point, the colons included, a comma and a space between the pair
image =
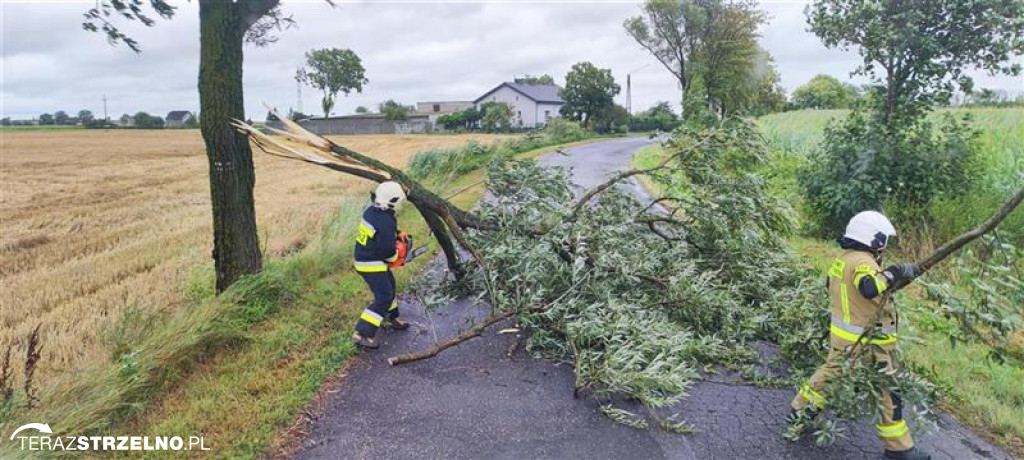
x: 640, y: 301
x: 986, y: 304
x: 473, y: 155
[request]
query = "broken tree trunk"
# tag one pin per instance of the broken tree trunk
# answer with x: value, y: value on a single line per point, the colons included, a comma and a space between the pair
x: 443, y: 218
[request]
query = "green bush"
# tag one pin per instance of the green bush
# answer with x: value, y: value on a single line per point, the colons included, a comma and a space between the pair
x: 861, y: 165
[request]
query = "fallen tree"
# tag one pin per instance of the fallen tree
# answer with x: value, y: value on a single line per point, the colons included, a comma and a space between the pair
x: 637, y: 299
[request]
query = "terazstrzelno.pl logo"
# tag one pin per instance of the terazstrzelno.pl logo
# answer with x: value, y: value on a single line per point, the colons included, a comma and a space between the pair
x: 100, y: 443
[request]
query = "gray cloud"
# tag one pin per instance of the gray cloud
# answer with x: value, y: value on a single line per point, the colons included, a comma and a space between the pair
x: 412, y: 52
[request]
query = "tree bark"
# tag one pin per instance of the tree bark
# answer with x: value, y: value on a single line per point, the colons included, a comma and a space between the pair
x: 236, y: 250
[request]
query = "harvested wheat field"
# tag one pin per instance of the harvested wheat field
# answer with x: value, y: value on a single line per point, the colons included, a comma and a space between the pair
x: 95, y: 223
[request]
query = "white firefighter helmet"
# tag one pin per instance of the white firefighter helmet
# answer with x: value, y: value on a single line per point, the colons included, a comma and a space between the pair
x: 870, y: 228
x: 388, y: 195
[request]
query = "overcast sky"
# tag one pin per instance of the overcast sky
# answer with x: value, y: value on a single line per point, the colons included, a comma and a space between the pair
x: 412, y: 51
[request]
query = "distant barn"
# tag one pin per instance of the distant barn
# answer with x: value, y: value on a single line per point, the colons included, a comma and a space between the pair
x: 176, y: 118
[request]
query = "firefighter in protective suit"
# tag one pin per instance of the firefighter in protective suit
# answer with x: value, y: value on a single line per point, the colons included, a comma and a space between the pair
x: 379, y: 247
x: 855, y: 287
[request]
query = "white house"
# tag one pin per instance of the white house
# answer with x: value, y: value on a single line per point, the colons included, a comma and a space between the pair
x: 532, y: 105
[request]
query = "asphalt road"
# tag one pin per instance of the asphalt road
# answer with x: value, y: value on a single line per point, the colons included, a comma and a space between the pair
x: 476, y: 401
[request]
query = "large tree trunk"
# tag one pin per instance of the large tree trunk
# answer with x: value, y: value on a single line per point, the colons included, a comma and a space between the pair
x: 236, y: 250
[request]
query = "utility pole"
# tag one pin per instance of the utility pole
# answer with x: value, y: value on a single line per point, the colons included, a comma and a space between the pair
x: 105, y: 119
x: 629, y: 88
x: 629, y: 95
x: 298, y: 94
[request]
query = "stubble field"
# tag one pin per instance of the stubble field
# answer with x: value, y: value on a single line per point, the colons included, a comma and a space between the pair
x: 95, y: 224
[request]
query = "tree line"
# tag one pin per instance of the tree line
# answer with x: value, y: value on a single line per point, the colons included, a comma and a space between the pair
x: 141, y: 120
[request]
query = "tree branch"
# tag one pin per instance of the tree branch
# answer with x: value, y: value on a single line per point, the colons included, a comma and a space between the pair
x: 474, y: 331
x: 956, y: 243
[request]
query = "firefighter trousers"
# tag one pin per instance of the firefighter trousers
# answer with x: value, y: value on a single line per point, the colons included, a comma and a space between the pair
x: 384, y: 306
x: 893, y: 428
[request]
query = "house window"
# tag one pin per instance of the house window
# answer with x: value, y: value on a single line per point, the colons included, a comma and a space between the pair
x: 517, y: 98
x: 437, y: 107
x: 547, y: 115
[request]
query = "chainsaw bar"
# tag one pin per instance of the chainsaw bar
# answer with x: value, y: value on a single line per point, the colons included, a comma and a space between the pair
x: 417, y: 252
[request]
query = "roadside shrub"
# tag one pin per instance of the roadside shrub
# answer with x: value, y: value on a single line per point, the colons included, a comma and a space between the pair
x: 860, y: 165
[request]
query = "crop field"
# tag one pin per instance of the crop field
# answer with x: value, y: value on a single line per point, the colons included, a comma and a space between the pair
x: 96, y: 224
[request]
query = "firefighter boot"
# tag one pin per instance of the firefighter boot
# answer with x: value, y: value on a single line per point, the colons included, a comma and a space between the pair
x: 364, y: 342
x: 910, y: 454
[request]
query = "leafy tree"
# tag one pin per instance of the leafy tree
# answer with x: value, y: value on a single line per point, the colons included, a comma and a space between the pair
x: 466, y: 119
x: 6, y: 121
x: 824, y: 92
x: 362, y: 109
x: 659, y: 117
x: 146, y: 121
x: 891, y: 155
x: 332, y: 71
x: 538, y: 80
x: 191, y: 122
x: 708, y: 43
x: 452, y: 120
x: 395, y: 111
x: 589, y: 94
x: 85, y: 116
x: 666, y: 30
x: 61, y: 117
x: 916, y: 51
x: 769, y: 97
x: 224, y: 27
x: 46, y: 119
x: 495, y: 116
x: 727, y: 55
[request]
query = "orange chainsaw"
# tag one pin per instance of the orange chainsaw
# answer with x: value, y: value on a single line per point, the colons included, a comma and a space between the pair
x: 405, y: 254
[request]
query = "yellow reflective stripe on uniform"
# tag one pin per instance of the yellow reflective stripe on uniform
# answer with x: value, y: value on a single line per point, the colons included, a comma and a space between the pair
x: 848, y: 336
x: 866, y: 270
x: 836, y: 270
x: 371, y: 267
x: 367, y: 227
x: 845, y: 299
x: 370, y: 317
x: 394, y: 305
x: 812, y: 396
x: 894, y: 430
